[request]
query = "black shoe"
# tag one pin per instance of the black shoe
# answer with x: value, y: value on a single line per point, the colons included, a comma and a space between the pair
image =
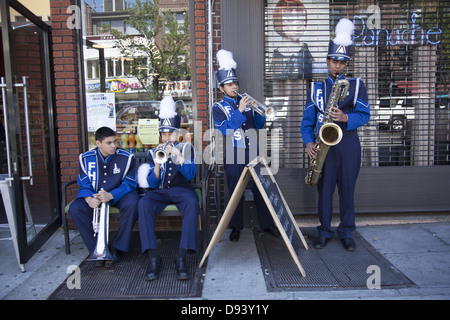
x: 234, y: 235
x: 116, y: 254
x: 153, y: 269
x: 99, y: 263
x: 272, y: 230
x: 348, y: 244
x: 320, y: 242
x: 182, y: 269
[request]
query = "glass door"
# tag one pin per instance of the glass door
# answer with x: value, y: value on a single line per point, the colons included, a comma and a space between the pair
x: 30, y: 169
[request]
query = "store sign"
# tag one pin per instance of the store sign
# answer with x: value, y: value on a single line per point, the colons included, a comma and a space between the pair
x: 371, y: 34
x: 121, y: 85
x: 131, y: 44
x: 180, y: 88
x: 117, y: 85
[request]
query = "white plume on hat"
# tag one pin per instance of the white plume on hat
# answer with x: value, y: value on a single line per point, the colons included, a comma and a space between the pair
x: 167, y: 108
x: 225, y: 59
x: 344, y: 31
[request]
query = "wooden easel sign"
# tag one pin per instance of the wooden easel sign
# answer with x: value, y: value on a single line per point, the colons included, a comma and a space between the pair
x: 279, y: 209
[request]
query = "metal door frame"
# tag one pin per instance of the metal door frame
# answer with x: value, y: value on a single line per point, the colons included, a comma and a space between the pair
x: 27, y: 249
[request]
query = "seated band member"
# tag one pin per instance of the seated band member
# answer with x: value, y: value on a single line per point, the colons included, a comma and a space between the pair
x: 113, y: 170
x: 232, y: 117
x: 169, y: 184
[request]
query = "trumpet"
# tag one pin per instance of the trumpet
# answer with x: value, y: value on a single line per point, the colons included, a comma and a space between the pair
x: 258, y: 107
x: 100, y: 224
x: 161, y: 155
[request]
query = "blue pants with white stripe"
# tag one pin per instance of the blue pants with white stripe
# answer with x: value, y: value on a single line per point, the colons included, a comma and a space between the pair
x: 82, y: 214
x: 341, y: 168
x: 155, y: 201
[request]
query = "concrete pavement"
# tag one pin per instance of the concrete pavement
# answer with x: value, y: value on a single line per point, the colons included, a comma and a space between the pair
x: 418, y: 247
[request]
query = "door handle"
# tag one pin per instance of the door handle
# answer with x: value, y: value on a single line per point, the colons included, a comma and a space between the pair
x: 27, y: 128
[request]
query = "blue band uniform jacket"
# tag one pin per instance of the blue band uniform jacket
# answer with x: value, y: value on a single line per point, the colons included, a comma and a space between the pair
x: 232, y: 123
x: 355, y: 106
x: 115, y: 174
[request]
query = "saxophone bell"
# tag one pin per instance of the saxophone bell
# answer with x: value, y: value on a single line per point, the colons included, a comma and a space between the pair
x: 330, y: 134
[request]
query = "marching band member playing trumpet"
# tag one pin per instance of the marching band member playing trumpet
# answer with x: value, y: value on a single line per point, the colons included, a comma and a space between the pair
x: 169, y: 184
x: 113, y: 170
x: 233, y: 117
x: 341, y: 166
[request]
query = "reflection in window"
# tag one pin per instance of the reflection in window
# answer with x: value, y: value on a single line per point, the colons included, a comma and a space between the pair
x: 120, y: 62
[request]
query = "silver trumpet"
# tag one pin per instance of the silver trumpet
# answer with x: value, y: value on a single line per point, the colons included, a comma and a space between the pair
x: 100, y: 224
x: 258, y: 107
x: 161, y: 155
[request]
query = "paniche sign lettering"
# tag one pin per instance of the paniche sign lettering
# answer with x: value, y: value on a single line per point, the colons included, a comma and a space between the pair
x: 369, y: 32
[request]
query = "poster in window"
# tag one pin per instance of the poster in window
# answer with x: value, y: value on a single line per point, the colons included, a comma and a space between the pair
x: 298, y: 36
x: 101, y: 111
x: 148, y: 131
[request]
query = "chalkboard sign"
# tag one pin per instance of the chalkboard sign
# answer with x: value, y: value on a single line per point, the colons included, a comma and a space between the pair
x: 276, y: 201
x: 271, y: 193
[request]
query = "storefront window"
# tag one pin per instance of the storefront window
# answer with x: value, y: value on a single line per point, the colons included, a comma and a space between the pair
x: 401, y: 51
x: 39, y: 8
x: 133, y: 57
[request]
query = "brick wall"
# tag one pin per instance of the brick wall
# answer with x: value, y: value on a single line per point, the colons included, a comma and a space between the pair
x: 66, y: 89
x: 200, y: 59
x: 67, y: 85
x: 68, y: 106
x: 201, y: 53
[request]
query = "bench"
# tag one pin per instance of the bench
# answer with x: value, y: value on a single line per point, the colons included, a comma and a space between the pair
x: 170, y: 211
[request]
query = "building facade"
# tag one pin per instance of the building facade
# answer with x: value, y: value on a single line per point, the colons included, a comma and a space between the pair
x: 95, y: 76
x: 400, y: 51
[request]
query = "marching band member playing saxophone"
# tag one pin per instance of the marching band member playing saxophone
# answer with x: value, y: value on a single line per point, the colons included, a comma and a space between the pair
x: 169, y: 184
x: 341, y: 166
x: 233, y: 117
x: 113, y: 170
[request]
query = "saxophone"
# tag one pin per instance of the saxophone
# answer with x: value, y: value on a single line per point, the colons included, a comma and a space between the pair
x: 330, y: 133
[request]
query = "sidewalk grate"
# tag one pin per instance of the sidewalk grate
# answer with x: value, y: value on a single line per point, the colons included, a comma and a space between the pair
x: 126, y: 279
x: 330, y: 267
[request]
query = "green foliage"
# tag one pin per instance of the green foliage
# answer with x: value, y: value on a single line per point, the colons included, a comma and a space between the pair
x: 163, y: 40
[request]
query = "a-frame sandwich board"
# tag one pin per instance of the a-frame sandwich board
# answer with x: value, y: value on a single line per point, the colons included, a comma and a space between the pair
x: 259, y: 171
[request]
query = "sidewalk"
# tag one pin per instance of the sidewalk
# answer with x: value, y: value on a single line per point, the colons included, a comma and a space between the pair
x: 421, y: 251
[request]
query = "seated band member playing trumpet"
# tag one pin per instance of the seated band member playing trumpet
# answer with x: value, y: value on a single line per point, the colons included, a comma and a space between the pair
x: 113, y: 170
x: 169, y: 184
